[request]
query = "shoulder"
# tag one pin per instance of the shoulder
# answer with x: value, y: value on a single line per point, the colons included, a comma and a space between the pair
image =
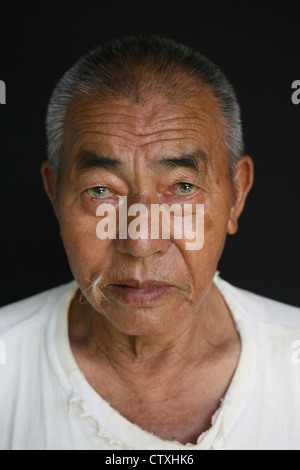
x: 260, y: 309
x: 24, y: 312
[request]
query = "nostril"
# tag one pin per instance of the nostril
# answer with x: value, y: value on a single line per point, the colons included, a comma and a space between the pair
x: 140, y: 248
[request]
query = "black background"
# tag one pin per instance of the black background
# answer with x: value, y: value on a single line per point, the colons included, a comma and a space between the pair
x: 258, y: 48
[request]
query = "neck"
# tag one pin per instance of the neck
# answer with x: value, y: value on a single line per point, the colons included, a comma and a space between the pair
x: 150, y: 364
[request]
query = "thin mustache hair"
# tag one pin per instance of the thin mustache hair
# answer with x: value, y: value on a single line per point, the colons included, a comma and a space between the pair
x: 93, y: 292
x: 190, y: 284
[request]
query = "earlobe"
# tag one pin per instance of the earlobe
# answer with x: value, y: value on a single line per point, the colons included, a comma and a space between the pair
x: 49, y: 180
x: 244, y: 177
x: 232, y: 226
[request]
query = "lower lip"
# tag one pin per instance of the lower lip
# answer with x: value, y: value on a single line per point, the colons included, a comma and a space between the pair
x: 138, y: 297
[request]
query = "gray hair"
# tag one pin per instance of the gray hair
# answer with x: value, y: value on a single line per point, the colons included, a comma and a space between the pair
x: 136, y: 68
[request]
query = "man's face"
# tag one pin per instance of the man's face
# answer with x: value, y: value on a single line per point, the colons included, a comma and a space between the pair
x: 152, y: 153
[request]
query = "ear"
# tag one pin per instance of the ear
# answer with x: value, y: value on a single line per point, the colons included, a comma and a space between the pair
x: 49, y: 177
x: 244, y: 176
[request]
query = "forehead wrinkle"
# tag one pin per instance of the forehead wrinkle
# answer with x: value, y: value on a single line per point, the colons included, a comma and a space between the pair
x: 134, y: 139
x: 137, y: 120
x: 146, y: 119
x: 123, y: 133
x: 132, y: 128
x: 178, y: 120
x: 172, y: 140
x: 83, y: 116
x: 203, y: 117
x: 129, y: 137
x: 128, y: 131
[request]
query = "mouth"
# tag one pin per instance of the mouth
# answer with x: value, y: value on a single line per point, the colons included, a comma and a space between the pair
x: 136, y: 293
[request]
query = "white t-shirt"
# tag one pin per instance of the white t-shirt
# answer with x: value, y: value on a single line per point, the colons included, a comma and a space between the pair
x: 46, y: 402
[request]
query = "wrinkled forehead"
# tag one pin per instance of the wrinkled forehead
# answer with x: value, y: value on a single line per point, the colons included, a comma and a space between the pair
x: 182, y: 124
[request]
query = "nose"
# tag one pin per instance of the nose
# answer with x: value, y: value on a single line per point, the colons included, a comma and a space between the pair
x: 137, y: 237
x: 142, y: 248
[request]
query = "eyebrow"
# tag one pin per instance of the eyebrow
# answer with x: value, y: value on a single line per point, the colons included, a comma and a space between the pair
x: 192, y: 161
x: 87, y: 160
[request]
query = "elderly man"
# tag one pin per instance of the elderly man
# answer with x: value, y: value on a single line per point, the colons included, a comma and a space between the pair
x: 148, y: 348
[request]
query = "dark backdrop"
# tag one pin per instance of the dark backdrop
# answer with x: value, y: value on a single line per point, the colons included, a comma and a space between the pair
x: 257, y: 46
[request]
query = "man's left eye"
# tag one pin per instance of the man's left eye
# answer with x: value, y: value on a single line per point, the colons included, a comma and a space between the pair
x: 184, y: 188
x: 99, y: 192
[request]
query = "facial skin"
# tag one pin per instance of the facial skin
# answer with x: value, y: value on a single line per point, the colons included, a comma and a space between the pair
x: 139, y: 137
x: 191, y: 313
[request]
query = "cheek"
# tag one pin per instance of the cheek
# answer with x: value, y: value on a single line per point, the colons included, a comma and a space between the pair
x: 202, y: 263
x: 211, y: 230
x: 85, y: 251
x: 215, y: 234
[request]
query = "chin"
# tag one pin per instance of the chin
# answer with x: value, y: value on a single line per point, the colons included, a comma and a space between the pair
x: 141, y: 321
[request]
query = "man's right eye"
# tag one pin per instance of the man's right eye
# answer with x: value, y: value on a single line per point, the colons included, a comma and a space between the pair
x: 99, y: 192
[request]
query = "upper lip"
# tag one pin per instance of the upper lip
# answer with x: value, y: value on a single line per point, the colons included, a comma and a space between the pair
x: 141, y: 284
